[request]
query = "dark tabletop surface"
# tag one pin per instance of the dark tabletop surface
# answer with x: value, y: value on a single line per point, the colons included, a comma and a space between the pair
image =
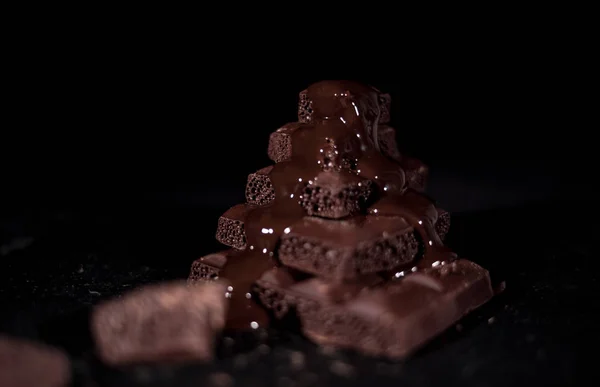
x: 60, y: 259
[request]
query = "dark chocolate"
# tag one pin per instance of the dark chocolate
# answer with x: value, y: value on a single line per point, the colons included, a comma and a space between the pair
x: 161, y: 323
x: 345, y: 249
x: 29, y: 364
x: 391, y: 318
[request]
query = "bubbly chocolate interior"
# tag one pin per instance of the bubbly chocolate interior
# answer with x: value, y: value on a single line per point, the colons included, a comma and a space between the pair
x: 340, y: 130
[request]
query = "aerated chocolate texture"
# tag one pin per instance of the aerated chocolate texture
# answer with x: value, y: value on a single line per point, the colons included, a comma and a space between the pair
x: 338, y: 233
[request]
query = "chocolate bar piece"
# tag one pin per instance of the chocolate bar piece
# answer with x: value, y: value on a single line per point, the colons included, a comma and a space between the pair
x: 208, y: 267
x: 28, y: 364
x: 164, y: 322
x: 335, y: 195
x: 259, y: 189
x: 345, y: 249
x: 230, y: 227
x: 392, y: 318
x: 280, y: 149
x: 280, y: 142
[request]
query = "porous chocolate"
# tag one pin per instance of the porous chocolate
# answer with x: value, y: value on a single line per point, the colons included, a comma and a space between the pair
x: 346, y: 249
x: 391, y: 318
x: 230, y: 227
x: 161, y: 323
x: 335, y: 195
x: 342, y: 205
x: 259, y: 189
x: 207, y: 268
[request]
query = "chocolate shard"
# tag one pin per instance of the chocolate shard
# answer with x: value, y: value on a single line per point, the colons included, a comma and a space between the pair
x: 335, y: 195
x: 390, y: 319
x: 230, y: 227
x: 442, y: 225
x: 169, y: 322
x: 208, y: 267
x: 280, y: 142
x: 29, y: 364
x: 345, y: 249
x: 259, y: 189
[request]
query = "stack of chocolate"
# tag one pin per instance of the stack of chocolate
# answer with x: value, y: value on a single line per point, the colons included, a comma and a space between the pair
x: 338, y: 233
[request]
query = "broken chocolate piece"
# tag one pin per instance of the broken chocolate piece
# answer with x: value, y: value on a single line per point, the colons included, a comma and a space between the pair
x: 164, y: 322
x: 230, y: 228
x: 259, y: 189
x: 390, y: 319
x: 335, y: 195
x: 345, y: 249
x: 29, y: 364
x: 280, y: 142
x: 208, y: 267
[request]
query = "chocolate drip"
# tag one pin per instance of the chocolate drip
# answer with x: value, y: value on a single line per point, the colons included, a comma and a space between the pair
x: 339, y: 133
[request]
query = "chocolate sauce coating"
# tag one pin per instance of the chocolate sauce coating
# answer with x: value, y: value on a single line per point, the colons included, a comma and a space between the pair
x: 391, y: 318
x: 346, y: 249
x: 342, y: 132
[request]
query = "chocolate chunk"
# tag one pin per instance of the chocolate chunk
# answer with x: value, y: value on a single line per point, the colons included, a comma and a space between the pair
x: 390, y: 319
x: 28, y: 364
x: 442, y: 225
x: 208, y: 267
x: 259, y: 190
x: 281, y: 146
x: 164, y: 322
x: 344, y: 249
x: 335, y: 195
x: 280, y: 142
x: 230, y: 228
x: 328, y: 99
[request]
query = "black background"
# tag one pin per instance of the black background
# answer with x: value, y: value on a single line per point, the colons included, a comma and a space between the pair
x: 119, y: 155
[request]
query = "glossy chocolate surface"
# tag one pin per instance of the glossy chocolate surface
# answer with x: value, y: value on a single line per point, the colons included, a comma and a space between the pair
x: 339, y: 132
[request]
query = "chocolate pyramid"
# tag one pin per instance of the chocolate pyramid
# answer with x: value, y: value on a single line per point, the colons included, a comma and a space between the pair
x: 339, y: 233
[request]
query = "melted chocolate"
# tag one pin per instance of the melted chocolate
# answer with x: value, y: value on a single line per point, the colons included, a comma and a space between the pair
x: 340, y: 135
